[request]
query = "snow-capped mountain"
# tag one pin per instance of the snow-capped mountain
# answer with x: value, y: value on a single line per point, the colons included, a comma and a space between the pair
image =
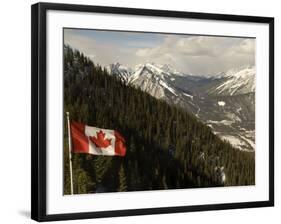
x: 152, y: 79
x: 226, y: 103
x: 157, y: 80
x: 170, y: 69
x: 119, y: 70
x: 235, y: 82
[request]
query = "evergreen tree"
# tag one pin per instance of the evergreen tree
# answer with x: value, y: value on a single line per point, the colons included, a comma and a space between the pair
x: 122, y: 180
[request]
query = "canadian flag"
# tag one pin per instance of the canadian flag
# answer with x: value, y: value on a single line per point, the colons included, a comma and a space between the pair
x: 96, y: 141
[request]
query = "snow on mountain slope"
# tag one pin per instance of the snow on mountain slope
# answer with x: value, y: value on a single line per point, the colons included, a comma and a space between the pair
x: 152, y: 79
x: 148, y: 69
x: 235, y: 82
x: 157, y: 80
x: 169, y: 69
x: 119, y: 70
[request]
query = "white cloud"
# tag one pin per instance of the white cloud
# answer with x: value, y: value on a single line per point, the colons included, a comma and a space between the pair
x: 202, y: 54
x: 247, y: 46
x: 198, y: 46
x: 103, y: 53
x: 194, y: 54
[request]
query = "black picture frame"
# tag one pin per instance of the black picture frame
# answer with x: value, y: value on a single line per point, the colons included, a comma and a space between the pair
x: 39, y: 121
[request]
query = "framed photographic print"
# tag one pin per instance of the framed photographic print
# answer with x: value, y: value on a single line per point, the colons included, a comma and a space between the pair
x: 139, y: 111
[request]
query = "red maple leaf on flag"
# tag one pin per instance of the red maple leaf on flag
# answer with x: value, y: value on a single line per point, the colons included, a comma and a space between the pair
x: 100, y: 141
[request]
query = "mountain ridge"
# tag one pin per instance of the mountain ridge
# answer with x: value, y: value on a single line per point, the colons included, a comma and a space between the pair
x: 243, y: 77
x: 205, y: 97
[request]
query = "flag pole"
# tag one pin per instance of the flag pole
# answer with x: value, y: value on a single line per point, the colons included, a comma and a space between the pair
x: 70, y: 155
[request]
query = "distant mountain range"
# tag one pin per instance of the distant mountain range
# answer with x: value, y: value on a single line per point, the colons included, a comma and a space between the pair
x: 225, y: 102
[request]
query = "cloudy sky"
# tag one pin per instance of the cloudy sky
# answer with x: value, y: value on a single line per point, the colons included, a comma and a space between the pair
x: 199, y: 55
